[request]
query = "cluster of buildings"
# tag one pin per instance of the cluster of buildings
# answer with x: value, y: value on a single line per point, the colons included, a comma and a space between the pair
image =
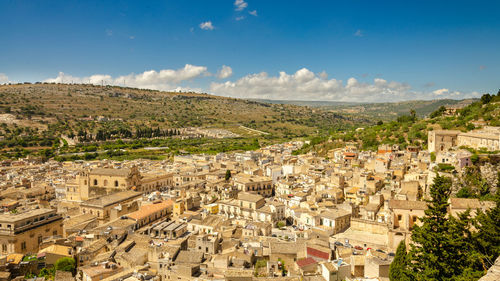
x: 243, y: 216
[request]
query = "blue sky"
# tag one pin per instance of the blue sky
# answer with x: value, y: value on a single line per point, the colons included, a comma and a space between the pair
x: 305, y: 50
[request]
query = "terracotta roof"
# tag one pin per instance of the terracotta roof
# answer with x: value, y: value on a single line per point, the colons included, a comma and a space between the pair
x: 148, y: 210
x: 305, y: 262
x: 317, y: 253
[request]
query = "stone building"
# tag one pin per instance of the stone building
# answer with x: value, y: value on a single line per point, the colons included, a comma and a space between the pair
x: 487, y: 138
x: 442, y: 140
x: 102, y: 181
x: 23, y: 232
x: 255, y: 184
x: 111, y: 206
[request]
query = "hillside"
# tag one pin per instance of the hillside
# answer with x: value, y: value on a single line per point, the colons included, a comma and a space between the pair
x: 35, y: 116
x: 377, y: 111
x: 390, y: 111
x: 409, y: 129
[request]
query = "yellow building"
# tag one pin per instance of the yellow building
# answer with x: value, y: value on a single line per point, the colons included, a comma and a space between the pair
x: 23, y: 232
x: 212, y: 208
x: 179, y: 208
x: 55, y: 252
x: 254, y: 184
x: 103, y: 181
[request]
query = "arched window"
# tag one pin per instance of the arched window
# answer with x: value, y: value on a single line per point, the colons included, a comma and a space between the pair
x: 116, y: 183
x: 95, y: 181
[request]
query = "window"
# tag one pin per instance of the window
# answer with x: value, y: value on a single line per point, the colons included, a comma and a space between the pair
x: 399, y: 217
x: 23, y: 246
x: 105, y: 182
x: 4, y: 247
x: 116, y: 183
x: 40, y: 239
x: 95, y: 182
x: 54, y: 232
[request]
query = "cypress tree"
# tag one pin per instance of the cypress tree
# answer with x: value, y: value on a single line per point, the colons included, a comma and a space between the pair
x: 399, y: 265
x: 432, y: 254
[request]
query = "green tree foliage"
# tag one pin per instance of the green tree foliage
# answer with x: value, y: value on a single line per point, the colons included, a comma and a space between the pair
x: 488, y: 238
x: 431, y: 254
x: 228, y: 175
x: 399, y: 266
x: 65, y: 264
x: 486, y: 98
x: 448, y: 247
x: 438, y: 112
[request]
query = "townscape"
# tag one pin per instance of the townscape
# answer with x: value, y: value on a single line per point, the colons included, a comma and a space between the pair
x: 231, y: 216
x: 249, y: 140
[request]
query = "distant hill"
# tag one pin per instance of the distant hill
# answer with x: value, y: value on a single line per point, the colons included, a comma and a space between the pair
x: 409, y: 129
x: 309, y: 103
x: 379, y: 111
x: 70, y: 108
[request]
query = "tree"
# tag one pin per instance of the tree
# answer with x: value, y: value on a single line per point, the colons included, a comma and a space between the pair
x: 228, y: 175
x: 487, y: 239
x: 431, y: 253
x: 65, y: 264
x: 444, y: 246
x: 438, y: 112
x: 413, y: 114
x: 486, y: 98
x: 399, y: 265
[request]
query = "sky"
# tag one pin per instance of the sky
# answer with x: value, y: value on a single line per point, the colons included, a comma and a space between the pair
x: 365, y: 51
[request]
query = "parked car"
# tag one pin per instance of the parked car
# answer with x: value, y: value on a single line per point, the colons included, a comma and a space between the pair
x: 380, y: 251
x: 358, y: 248
x: 337, y: 243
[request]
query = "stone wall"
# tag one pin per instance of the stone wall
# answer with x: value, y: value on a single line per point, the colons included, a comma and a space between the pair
x: 369, y: 226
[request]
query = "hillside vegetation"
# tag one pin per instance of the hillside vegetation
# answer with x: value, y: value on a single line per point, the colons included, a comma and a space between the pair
x: 34, y: 117
x: 409, y: 129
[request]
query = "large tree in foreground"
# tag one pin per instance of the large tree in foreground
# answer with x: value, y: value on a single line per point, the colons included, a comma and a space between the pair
x: 432, y: 253
x: 399, y: 266
x: 444, y: 247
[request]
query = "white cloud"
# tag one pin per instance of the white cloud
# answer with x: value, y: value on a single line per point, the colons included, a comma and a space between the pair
x: 253, y: 13
x: 239, y: 18
x: 132, y: 37
x: 225, y: 72
x: 240, y: 5
x: 306, y: 85
x: 441, y: 92
x: 4, y: 78
x: 207, y: 25
x: 166, y: 79
x: 301, y: 85
x: 358, y: 33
